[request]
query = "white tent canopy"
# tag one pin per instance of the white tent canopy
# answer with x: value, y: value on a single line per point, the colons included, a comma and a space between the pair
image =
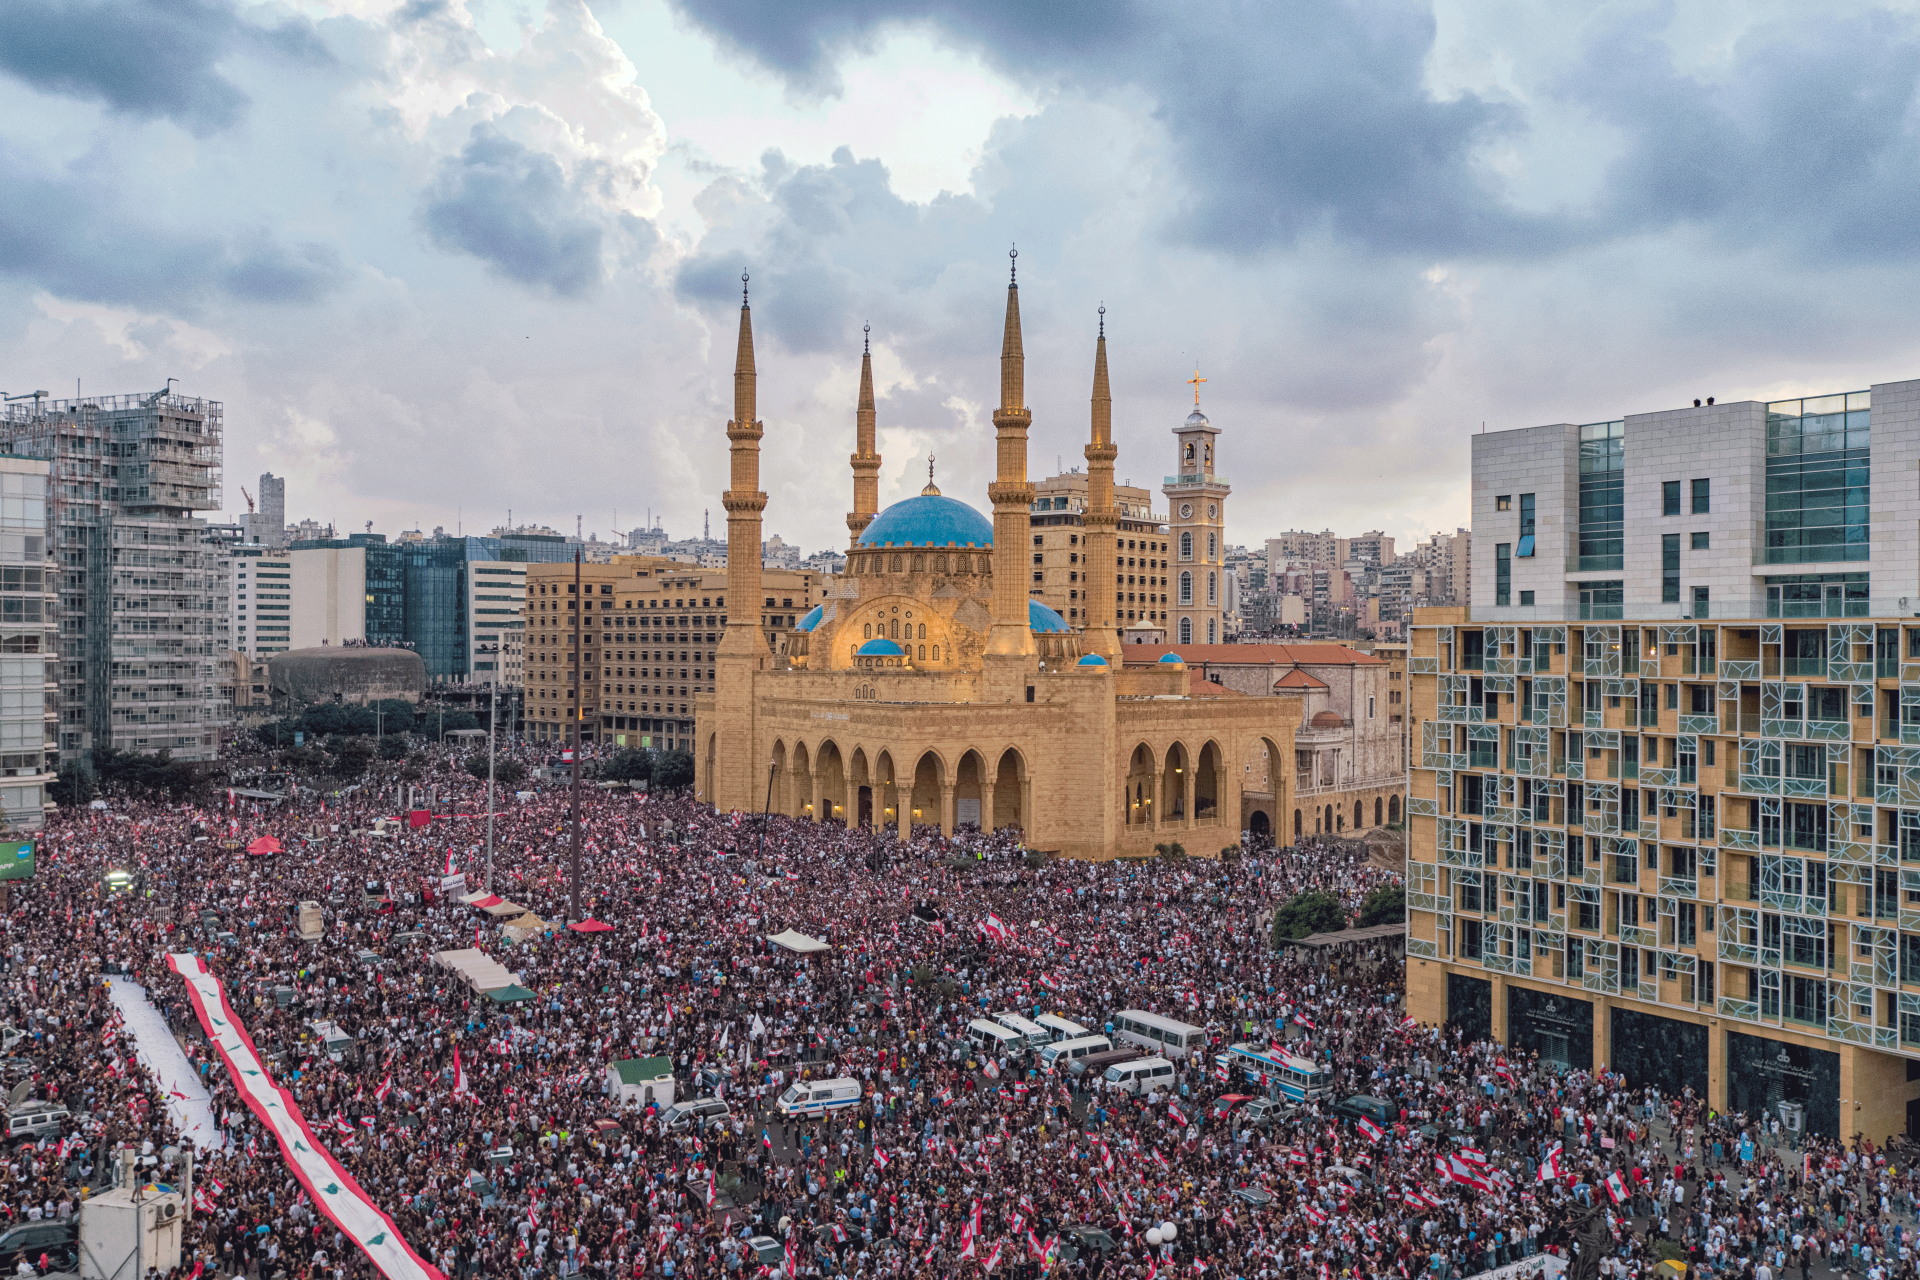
x: 479, y: 970
x: 794, y: 940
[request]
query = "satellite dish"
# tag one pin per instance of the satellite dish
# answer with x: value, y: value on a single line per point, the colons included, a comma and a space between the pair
x: 20, y: 1093
x: 169, y: 1154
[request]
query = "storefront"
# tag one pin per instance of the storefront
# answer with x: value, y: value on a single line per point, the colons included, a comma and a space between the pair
x: 1666, y: 1053
x: 1763, y: 1074
x: 1552, y: 1025
x: 1470, y: 1006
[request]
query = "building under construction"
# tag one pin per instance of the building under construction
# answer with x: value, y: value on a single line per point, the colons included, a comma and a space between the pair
x: 140, y: 587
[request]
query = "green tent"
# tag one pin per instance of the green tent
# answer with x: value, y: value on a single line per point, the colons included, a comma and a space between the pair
x: 512, y: 993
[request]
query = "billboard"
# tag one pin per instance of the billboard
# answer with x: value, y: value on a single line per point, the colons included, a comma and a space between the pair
x: 16, y: 860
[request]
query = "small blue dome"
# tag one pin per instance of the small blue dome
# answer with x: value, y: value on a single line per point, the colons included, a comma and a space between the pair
x: 929, y: 520
x: 812, y: 619
x: 1092, y: 660
x: 1173, y: 659
x: 1043, y: 620
x: 879, y: 649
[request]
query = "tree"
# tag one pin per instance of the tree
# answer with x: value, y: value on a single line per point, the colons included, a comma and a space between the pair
x: 506, y: 773
x: 433, y: 725
x: 628, y: 765
x: 392, y: 748
x: 73, y: 788
x: 392, y: 715
x: 1308, y: 913
x: 351, y: 755
x: 672, y: 770
x: 336, y: 718
x: 1384, y: 905
x: 147, y: 775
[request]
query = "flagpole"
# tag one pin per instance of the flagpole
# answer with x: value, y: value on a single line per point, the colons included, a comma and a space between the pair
x: 579, y: 710
x: 493, y: 698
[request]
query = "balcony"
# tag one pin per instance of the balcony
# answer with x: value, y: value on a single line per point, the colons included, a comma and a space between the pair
x: 1195, y: 481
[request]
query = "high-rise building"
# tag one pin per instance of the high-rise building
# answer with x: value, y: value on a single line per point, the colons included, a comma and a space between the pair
x: 27, y: 716
x: 268, y: 525
x: 141, y: 588
x: 1061, y: 565
x: 1666, y: 804
x: 331, y: 567
x: 260, y: 595
x: 1196, y: 521
x: 496, y: 621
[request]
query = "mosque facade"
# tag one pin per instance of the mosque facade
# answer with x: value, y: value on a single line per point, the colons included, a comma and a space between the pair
x: 928, y: 687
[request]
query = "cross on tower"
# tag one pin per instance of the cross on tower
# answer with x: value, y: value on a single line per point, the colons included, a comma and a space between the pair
x: 1195, y: 382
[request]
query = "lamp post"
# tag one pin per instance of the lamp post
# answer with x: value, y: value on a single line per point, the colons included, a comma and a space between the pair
x: 493, y: 693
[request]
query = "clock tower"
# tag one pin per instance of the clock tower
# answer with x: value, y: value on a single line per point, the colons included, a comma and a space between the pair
x: 1196, y: 510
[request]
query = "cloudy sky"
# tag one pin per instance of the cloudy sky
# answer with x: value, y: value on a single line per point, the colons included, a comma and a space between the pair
x: 447, y: 259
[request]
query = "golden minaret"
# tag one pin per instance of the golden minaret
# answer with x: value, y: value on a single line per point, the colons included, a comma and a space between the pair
x: 866, y: 461
x: 1101, y: 634
x: 743, y: 647
x: 1012, y: 496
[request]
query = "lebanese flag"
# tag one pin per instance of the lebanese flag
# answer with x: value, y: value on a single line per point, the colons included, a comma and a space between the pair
x: 992, y: 927
x: 1305, y: 1021
x: 1050, y: 982
x: 1477, y: 1159
x: 1617, y: 1187
x: 1161, y: 1160
x: 459, y: 1075
x: 1373, y: 1131
x: 449, y: 870
x: 993, y: 1259
x: 1175, y: 1114
x: 879, y: 1158
x: 1315, y: 1215
x: 386, y: 1087
x: 1550, y: 1167
x: 1500, y: 1068
x: 1296, y: 1157
x: 1034, y: 1248
x: 970, y: 1231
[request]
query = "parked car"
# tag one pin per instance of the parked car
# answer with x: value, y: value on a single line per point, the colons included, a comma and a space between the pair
x: 1252, y: 1195
x: 1378, y: 1110
x: 1085, y: 1240
x: 32, y: 1121
x: 684, y: 1115
x: 60, y: 1241
x: 1224, y: 1105
x: 1262, y: 1112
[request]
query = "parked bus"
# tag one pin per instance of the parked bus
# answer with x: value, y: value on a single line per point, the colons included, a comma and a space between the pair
x: 1283, y: 1074
x: 1156, y: 1034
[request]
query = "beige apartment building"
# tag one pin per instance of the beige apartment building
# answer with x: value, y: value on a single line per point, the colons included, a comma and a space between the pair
x: 1060, y: 561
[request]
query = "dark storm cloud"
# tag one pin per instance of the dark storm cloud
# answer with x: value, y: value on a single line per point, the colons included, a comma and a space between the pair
x: 513, y: 208
x: 1288, y: 119
x: 68, y: 234
x: 149, y: 58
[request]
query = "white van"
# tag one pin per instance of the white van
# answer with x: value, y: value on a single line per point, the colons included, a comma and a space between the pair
x: 817, y: 1097
x: 1061, y: 1052
x: 1155, y: 1034
x: 991, y: 1037
x: 1033, y: 1033
x: 1143, y: 1076
x: 1059, y: 1028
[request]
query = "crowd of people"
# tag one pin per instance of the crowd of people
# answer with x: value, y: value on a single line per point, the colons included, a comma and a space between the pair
x: 486, y: 1131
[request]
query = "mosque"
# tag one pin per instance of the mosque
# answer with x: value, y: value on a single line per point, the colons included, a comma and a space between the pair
x: 929, y: 688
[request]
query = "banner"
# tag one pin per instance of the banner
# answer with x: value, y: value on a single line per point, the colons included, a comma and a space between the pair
x: 328, y: 1184
x: 16, y: 860
x: 1545, y: 1266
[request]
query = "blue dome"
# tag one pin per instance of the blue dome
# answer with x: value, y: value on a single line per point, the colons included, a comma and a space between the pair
x: 1173, y: 658
x: 1043, y: 620
x: 1092, y: 660
x: 879, y: 649
x: 929, y: 520
x: 812, y: 619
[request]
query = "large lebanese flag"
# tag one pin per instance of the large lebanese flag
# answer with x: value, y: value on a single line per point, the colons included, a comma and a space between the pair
x: 330, y: 1186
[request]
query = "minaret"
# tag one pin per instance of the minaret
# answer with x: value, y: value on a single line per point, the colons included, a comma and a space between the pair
x: 1102, y: 633
x: 1012, y: 496
x: 866, y: 461
x: 742, y: 653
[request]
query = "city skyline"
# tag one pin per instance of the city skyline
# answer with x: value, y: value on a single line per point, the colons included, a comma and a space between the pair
x: 386, y: 234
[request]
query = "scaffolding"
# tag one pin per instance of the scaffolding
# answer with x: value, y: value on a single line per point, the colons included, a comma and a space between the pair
x: 140, y: 590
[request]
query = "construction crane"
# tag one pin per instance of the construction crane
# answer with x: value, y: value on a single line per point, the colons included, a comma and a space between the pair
x: 248, y: 497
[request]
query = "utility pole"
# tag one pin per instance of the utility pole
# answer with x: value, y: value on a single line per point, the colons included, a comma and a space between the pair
x: 493, y: 694
x: 580, y: 686
x: 765, y: 811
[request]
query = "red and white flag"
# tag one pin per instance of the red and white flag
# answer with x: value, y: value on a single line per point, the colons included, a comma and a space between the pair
x: 879, y: 1158
x: 1616, y: 1187
x: 386, y: 1087
x: 1373, y: 1131
x: 459, y: 1075
x: 1550, y: 1167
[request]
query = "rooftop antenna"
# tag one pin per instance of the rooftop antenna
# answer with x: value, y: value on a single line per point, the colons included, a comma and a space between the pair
x: 706, y: 525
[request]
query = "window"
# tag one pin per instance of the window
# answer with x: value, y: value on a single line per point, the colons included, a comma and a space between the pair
x: 1818, y: 479
x: 1602, y: 496
x: 1502, y: 574
x: 1186, y: 631
x: 1670, y: 568
x: 1213, y: 545
x: 1213, y: 588
x: 1186, y: 546
x: 1701, y: 542
x: 1525, y: 549
x: 1700, y: 605
x: 1601, y: 600
x: 1503, y: 502
x: 1670, y: 497
x: 1818, y: 595
x: 1186, y: 588
x: 1526, y: 599
x: 1702, y: 497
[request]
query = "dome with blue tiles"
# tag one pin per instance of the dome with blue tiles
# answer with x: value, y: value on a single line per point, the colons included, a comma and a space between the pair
x: 812, y: 618
x: 1092, y: 660
x: 930, y: 520
x: 1045, y: 621
x: 1172, y: 660
x: 879, y: 649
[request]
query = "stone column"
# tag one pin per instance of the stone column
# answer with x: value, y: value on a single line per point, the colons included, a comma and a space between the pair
x: 946, y: 809
x: 903, y: 809
x: 1153, y: 795
x: 814, y: 789
x: 986, y: 805
x: 1187, y: 778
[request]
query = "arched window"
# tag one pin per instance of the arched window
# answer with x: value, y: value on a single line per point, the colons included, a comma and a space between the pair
x: 1186, y: 588
x: 1212, y: 635
x: 1211, y: 546
x: 896, y: 629
x: 1357, y: 820
x: 1213, y: 588
x: 1189, y: 453
x: 936, y: 653
x: 897, y: 562
x: 923, y: 653
x: 1370, y: 716
x: 869, y: 634
x: 1376, y: 811
x: 1296, y: 824
x: 919, y: 564
x: 1186, y: 631
x: 939, y: 564
x: 923, y: 632
x: 1186, y: 546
